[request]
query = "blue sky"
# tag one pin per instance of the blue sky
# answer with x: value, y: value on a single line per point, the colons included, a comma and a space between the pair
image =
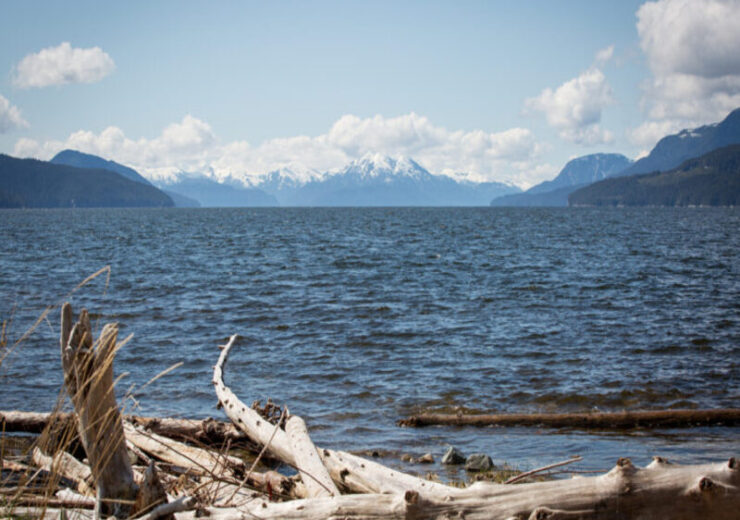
x: 491, y: 90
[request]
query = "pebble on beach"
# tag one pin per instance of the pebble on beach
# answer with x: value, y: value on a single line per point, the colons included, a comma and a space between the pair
x: 427, y: 458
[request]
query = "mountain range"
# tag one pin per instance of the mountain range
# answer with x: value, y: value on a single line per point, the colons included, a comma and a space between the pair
x: 670, y: 152
x: 372, y: 180
x: 380, y: 180
x: 712, y: 179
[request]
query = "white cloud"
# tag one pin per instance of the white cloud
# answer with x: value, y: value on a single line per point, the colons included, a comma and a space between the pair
x: 191, y: 145
x: 604, y: 55
x: 575, y: 107
x: 10, y: 117
x: 693, y: 49
x: 698, y: 38
x: 62, y: 64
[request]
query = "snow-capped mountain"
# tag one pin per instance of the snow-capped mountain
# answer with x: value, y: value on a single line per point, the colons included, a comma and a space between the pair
x: 381, y: 180
x: 374, y: 167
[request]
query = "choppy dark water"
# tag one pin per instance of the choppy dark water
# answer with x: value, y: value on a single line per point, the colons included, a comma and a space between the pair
x: 357, y: 317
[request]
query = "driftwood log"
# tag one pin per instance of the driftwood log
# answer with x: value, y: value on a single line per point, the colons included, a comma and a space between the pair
x: 659, y: 491
x: 596, y: 420
x: 207, y: 432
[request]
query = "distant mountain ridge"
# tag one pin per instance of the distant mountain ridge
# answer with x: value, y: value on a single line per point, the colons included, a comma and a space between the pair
x: 712, y: 179
x: 28, y: 183
x: 212, y: 194
x: 577, y: 173
x: 673, y: 150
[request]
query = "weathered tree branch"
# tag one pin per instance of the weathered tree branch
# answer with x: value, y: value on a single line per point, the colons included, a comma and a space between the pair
x: 346, y: 470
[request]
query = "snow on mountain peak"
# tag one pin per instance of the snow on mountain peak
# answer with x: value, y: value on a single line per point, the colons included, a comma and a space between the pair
x: 372, y: 165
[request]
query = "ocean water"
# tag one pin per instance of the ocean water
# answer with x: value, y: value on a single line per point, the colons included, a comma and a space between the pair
x: 355, y: 318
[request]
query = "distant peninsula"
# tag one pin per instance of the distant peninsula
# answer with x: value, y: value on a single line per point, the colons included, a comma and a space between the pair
x: 28, y: 183
x: 710, y: 180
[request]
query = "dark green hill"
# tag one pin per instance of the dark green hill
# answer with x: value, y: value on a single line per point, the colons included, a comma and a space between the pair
x: 28, y: 183
x: 85, y: 160
x: 710, y: 180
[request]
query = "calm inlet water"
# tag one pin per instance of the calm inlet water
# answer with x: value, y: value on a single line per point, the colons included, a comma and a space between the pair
x: 355, y: 318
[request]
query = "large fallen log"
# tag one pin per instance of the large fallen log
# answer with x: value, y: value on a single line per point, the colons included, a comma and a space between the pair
x: 208, y: 432
x: 595, y: 420
x: 660, y: 490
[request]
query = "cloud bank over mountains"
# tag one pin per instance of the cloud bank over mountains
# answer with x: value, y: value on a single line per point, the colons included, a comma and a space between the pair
x: 62, y: 64
x: 693, y: 51
x: 191, y: 145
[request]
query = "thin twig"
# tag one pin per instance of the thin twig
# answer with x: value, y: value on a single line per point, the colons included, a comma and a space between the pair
x: 526, y: 474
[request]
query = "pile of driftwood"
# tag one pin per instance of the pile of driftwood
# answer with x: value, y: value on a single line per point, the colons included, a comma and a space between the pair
x: 133, y: 467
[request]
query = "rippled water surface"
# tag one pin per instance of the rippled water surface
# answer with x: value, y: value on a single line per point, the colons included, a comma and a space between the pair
x: 358, y: 317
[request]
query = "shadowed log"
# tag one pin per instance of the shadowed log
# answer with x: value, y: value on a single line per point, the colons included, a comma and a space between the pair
x: 600, y: 420
x: 203, y: 432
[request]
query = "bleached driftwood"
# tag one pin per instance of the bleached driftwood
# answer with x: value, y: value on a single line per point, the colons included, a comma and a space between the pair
x: 181, y: 454
x: 88, y: 377
x: 74, y: 499
x: 313, y: 473
x: 220, y: 466
x: 64, y: 464
x: 51, y: 513
x: 346, y: 470
x: 625, y: 493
